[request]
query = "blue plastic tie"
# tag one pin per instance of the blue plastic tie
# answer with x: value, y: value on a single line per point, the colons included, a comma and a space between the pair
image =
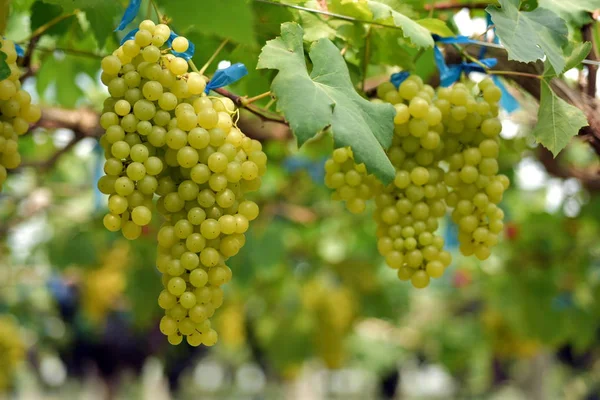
x: 19, y: 50
x: 226, y: 76
x: 130, y: 13
x: 451, y: 73
x: 129, y: 36
x: 399, y: 77
x: 188, y: 54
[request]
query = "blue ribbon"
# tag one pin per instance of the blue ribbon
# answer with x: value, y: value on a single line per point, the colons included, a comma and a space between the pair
x: 129, y: 36
x: 226, y: 76
x: 399, y: 77
x: 130, y: 13
x: 188, y: 54
x: 507, y: 101
x: 451, y: 73
x: 19, y: 50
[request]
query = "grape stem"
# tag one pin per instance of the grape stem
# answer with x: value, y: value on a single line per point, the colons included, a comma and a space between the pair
x: 366, y: 59
x: 516, y: 73
x: 212, y: 58
x: 157, y: 11
x: 263, y: 113
x: 192, y: 65
x: 246, y: 101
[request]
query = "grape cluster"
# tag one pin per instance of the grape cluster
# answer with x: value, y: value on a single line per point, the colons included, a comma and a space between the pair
x: 407, y: 211
x: 16, y: 112
x: 445, y: 152
x: 12, y: 350
x: 472, y: 151
x: 350, y: 180
x: 165, y: 137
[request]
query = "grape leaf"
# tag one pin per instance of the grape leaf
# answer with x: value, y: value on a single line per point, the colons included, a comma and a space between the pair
x: 231, y: 19
x: 4, y: 68
x: 42, y: 13
x: 528, y: 35
x: 382, y: 11
x: 436, y: 26
x: 326, y: 98
x: 418, y: 34
x: 101, y: 15
x: 388, y: 48
x: 572, y: 10
x: 315, y: 28
x: 577, y: 54
x: 558, y: 121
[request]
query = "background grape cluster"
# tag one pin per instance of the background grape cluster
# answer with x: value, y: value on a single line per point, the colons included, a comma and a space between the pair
x: 16, y: 112
x: 445, y: 151
x: 165, y: 137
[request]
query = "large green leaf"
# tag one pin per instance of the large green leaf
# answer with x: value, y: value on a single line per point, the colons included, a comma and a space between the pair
x: 325, y: 98
x: 388, y: 48
x: 558, y: 121
x: 230, y: 19
x: 529, y: 35
x: 418, y: 34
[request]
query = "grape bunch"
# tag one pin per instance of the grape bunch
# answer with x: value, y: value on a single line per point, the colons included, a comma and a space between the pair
x: 350, y: 180
x: 12, y: 351
x: 16, y: 112
x: 472, y: 151
x: 408, y: 210
x: 445, y: 152
x: 165, y: 137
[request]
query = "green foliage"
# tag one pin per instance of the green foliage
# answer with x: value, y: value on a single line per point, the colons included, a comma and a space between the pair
x: 573, y: 10
x: 529, y: 35
x: 558, y: 121
x: 102, y: 15
x: 383, y: 12
x: 576, y: 54
x: 325, y: 99
x: 42, y: 13
x: 232, y: 19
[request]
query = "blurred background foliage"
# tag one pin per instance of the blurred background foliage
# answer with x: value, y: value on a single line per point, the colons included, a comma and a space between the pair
x: 312, y: 311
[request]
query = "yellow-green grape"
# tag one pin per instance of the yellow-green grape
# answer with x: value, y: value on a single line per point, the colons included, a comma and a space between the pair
x: 350, y: 181
x: 16, y: 113
x: 407, y: 210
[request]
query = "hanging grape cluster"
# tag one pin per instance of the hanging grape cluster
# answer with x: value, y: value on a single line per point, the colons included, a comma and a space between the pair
x: 445, y: 152
x: 16, y: 112
x: 165, y: 137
